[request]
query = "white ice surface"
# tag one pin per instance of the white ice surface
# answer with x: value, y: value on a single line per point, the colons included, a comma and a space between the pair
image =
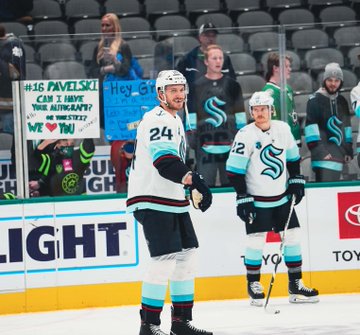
x: 334, y: 314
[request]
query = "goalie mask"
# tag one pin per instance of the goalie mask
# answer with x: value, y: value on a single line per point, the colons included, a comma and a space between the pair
x: 261, y: 99
x: 170, y: 77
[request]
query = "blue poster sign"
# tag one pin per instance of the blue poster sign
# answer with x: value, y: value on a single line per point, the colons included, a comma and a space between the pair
x: 125, y: 103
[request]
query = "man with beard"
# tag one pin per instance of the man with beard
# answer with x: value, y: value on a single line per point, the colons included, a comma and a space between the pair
x: 217, y: 112
x: 156, y: 196
x: 328, y: 132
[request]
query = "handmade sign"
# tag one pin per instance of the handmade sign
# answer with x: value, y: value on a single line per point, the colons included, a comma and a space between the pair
x: 125, y: 103
x: 61, y: 108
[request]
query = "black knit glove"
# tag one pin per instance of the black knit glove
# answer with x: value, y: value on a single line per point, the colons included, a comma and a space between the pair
x: 204, y: 201
x: 297, y: 187
x: 245, y: 208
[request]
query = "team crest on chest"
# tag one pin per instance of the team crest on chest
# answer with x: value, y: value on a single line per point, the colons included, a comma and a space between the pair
x: 274, y: 165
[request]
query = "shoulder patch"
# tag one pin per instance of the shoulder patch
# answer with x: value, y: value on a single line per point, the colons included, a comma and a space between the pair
x: 311, y: 96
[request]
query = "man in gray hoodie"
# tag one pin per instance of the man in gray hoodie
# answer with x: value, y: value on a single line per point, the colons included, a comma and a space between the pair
x: 328, y: 131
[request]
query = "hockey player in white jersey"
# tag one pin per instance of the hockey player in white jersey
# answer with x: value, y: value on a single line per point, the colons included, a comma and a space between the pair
x: 156, y: 196
x: 264, y: 168
x: 355, y: 103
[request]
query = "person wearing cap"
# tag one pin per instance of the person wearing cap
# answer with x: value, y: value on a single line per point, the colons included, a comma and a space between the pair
x: 192, y: 65
x: 328, y: 132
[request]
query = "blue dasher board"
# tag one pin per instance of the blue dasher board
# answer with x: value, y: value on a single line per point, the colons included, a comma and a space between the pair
x: 125, y: 103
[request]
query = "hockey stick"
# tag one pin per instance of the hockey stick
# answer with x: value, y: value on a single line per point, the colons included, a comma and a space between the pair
x: 278, y: 260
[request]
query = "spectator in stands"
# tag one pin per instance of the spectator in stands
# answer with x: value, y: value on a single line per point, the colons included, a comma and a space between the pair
x: 216, y: 113
x: 16, y: 10
x: 273, y: 87
x: 163, y: 56
x: 126, y: 154
x: 355, y: 103
x: 328, y: 132
x: 192, y: 66
x: 113, y: 60
x: 12, y: 67
x: 61, y: 168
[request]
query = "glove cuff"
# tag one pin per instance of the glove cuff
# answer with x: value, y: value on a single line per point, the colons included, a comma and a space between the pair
x: 298, y: 179
x: 243, y: 199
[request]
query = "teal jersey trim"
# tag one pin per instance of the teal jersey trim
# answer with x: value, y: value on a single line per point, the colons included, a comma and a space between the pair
x: 159, y: 149
x: 270, y: 204
x: 216, y: 149
x: 156, y: 207
x: 240, y: 120
x: 335, y: 166
x: 312, y: 133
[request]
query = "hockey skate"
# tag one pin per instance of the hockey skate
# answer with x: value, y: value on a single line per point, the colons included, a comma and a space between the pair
x: 299, y: 293
x: 180, y: 326
x: 256, y: 293
x: 150, y: 329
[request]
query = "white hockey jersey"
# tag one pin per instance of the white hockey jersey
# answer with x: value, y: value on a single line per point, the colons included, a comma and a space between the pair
x: 355, y: 103
x: 158, y: 135
x: 262, y: 156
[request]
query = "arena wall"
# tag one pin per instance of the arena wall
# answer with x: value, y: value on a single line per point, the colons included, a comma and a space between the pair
x: 86, y: 251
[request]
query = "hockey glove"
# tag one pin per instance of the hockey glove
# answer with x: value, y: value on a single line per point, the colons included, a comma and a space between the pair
x: 245, y: 208
x: 200, y: 193
x: 296, y: 187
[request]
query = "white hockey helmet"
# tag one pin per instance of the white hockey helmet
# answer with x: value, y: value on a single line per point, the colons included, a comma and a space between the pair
x: 261, y: 98
x: 170, y: 77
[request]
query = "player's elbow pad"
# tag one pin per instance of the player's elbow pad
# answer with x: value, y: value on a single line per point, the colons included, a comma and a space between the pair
x: 293, y: 168
x: 238, y: 182
x: 88, y: 145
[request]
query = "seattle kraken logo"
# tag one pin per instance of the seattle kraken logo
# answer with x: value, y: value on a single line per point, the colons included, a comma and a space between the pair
x: 333, y: 125
x: 275, y: 166
x: 218, y: 115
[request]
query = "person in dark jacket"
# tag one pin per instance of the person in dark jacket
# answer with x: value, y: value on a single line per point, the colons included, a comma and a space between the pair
x: 12, y: 67
x: 192, y: 65
x: 18, y: 10
x: 328, y: 132
x: 216, y: 113
x: 61, y: 168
